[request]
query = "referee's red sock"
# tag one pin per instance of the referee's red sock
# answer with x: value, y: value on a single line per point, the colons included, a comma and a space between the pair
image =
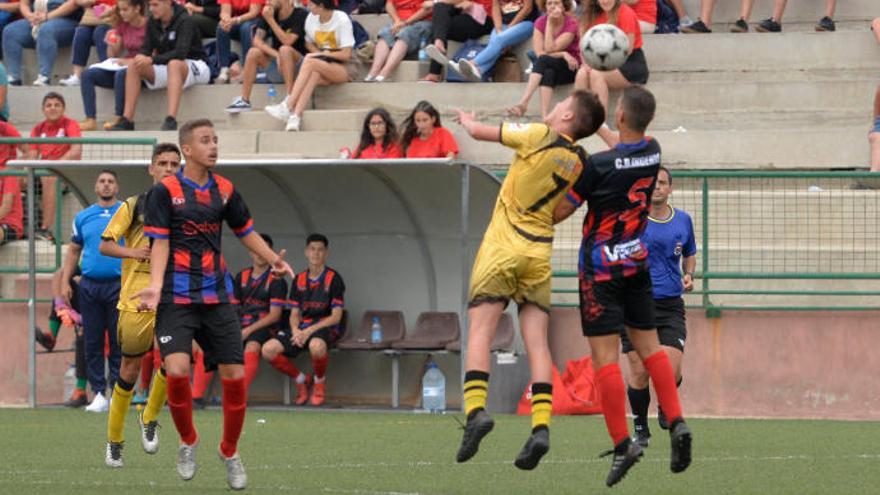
x: 282, y: 364
x: 234, y: 408
x: 180, y: 405
x: 319, y: 366
x: 660, y: 369
x: 609, y: 380
x: 251, y: 365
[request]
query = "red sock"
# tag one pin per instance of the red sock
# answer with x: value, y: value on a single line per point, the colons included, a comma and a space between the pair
x: 201, y: 378
x: 319, y: 366
x: 180, y: 405
x: 660, y: 369
x: 157, y: 358
x: 282, y: 364
x: 234, y: 407
x: 147, y: 369
x: 609, y: 380
x: 251, y: 365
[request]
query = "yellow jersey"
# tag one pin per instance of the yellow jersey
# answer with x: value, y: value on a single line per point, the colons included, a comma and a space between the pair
x: 544, y: 167
x: 128, y: 223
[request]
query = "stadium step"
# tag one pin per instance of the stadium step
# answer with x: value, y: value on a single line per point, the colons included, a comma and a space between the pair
x: 798, y: 11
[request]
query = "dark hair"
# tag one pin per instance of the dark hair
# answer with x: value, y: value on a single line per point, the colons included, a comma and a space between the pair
x: 668, y: 173
x: 410, y: 131
x: 317, y: 238
x: 52, y: 95
x: 164, y: 148
x: 593, y: 10
x: 140, y: 5
x: 327, y: 4
x: 109, y: 172
x: 638, y: 107
x: 189, y: 126
x: 268, y: 239
x: 367, y: 136
x: 589, y: 114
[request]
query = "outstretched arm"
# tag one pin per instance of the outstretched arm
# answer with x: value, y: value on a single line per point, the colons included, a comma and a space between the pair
x: 477, y: 130
x: 255, y: 243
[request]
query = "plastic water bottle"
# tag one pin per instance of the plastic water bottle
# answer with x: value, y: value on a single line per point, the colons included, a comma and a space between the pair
x: 272, y: 94
x: 69, y: 381
x: 376, y: 331
x: 433, y: 389
x: 423, y: 55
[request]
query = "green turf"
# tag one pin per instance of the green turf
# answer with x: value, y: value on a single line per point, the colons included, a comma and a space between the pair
x: 61, y: 451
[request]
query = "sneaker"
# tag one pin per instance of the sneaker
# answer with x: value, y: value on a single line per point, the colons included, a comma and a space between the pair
x: 661, y: 419
x: 44, y: 235
x: 71, y: 80
x: 99, y: 404
x: 469, y: 71
x: 537, y: 445
x: 685, y: 21
x: 479, y: 424
x: 170, y: 124
x: 123, y: 125
x: 88, y: 124
x: 698, y: 27
x: 293, y: 123
x: 41, y: 81
x: 44, y: 339
x: 680, y: 437
x: 302, y: 390
x: 235, y: 475
x: 278, y: 111
x: 826, y: 24
x: 113, y: 456
x: 740, y: 26
x: 110, y: 123
x: 436, y: 55
x: 626, y: 453
x: 370, y: 78
x: 318, y: 394
x: 238, y: 105
x: 13, y: 81
x: 379, y: 79
x: 77, y: 398
x: 186, y: 461
x: 223, y: 77
x: 769, y: 26
x: 149, y: 434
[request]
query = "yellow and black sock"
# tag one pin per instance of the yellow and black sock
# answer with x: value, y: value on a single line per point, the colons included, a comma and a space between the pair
x: 476, y: 391
x: 119, y: 403
x: 156, y: 399
x: 542, y: 405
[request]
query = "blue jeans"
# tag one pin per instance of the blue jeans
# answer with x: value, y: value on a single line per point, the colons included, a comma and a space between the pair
x: 103, y: 79
x: 243, y: 32
x: 97, y: 302
x: 84, y: 38
x: 511, y: 36
x: 53, y: 33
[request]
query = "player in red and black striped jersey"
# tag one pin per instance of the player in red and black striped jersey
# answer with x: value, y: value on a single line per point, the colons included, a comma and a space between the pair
x: 191, y: 290
x: 261, y: 296
x: 317, y: 298
x: 615, y: 287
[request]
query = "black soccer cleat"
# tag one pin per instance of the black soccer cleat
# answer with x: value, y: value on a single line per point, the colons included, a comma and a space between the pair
x: 680, y: 438
x: 643, y: 438
x: 479, y: 424
x: 536, y: 446
x: 626, y: 453
x: 662, y: 420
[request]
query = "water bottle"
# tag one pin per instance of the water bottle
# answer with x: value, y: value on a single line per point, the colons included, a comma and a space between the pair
x: 376, y: 331
x: 423, y: 55
x: 69, y: 381
x: 272, y: 94
x: 433, y: 389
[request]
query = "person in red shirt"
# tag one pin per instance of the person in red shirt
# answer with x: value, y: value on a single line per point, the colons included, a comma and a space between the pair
x: 56, y: 125
x: 8, y: 151
x: 646, y: 12
x: 457, y: 20
x: 11, y: 213
x: 425, y: 137
x: 237, y: 21
x: 378, y: 137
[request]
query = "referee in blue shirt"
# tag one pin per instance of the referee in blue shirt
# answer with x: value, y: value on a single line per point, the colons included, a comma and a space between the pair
x: 99, y: 287
x: 671, y: 251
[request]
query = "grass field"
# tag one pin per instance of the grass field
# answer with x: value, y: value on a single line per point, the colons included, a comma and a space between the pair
x: 61, y: 451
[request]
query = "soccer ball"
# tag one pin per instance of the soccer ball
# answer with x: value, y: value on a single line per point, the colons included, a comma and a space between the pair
x: 604, y: 47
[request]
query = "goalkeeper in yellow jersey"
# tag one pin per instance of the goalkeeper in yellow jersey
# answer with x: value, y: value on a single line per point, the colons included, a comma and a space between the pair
x: 135, y: 328
x: 514, y: 258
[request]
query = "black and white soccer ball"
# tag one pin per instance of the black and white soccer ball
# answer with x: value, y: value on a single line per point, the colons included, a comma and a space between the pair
x: 604, y: 47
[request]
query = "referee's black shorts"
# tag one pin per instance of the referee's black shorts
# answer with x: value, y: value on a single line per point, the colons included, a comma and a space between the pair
x: 671, y: 324
x: 214, y: 326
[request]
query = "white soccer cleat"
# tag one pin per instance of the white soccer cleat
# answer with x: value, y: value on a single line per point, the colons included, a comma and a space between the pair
x: 99, y: 404
x: 113, y: 455
x: 235, y: 475
x: 149, y: 434
x: 186, y: 461
x: 278, y: 111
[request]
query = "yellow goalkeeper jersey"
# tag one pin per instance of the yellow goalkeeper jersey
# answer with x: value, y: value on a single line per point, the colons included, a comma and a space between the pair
x: 128, y: 223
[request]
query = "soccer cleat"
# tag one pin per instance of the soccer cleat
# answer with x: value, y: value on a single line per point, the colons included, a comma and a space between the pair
x: 77, y: 398
x: 149, y: 434
x: 826, y: 24
x: 626, y: 453
x: 698, y: 27
x: 769, y: 26
x: 479, y: 424
x: 661, y: 419
x: 278, y: 111
x: 302, y: 390
x: 740, y: 26
x: 186, y: 461
x: 293, y: 124
x: 317, y: 394
x: 680, y: 438
x: 643, y: 437
x: 238, y: 105
x: 170, y: 124
x: 235, y: 475
x: 44, y: 339
x: 113, y: 456
x: 99, y: 404
x: 536, y: 446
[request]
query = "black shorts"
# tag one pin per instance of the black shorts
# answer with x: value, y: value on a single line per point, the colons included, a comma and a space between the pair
x: 635, y: 69
x: 671, y: 326
x: 608, y: 307
x: 214, y: 326
x: 292, y: 351
x: 261, y: 336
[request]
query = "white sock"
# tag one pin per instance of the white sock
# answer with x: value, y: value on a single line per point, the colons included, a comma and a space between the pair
x: 320, y: 380
x: 300, y: 378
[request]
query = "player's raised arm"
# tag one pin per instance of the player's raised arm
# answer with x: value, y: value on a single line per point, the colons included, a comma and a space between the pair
x: 477, y: 130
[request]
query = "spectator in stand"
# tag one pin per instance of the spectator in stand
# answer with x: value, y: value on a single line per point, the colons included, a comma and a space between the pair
x: 771, y: 25
x: 634, y: 70
x: 457, y: 20
x: 278, y: 42
x: 11, y: 212
x: 9, y: 151
x: 9, y: 10
x: 206, y: 14
x: 410, y: 23
x: 329, y: 40
x: 556, y: 42
x: 646, y: 12
x: 171, y: 57
x: 46, y: 27
x: 237, y: 21
x: 92, y: 31
x: 378, y: 137
x: 123, y: 43
x: 56, y: 125
x: 425, y: 137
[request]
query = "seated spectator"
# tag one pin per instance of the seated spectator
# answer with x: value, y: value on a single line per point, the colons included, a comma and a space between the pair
x: 646, y: 12
x: 557, y: 44
x: 633, y: 71
x: 378, y: 137
x: 457, y: 20
x: 278, y: 42
x: 771, y: 25
x: 56, y: 125
x: 410, y: 23
x: 514, y: 24
x: 237, y: 21
x: 10, y: 151
x: 4, y: 93
x: 124, y: 41
x: 317, y: 299
x: 171, y: 57
x: 424, y: 136
x: 45, y: 27
x: 8, y: 12
x: 329, y: 41
x: 92, y: 31
x: 11, y: 212
x: 206, y: 14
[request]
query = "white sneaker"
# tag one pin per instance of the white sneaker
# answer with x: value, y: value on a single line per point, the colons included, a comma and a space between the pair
x: 436, y: 55
x: 379, y: 79
x: 71, y: 80
x: 469, y: 71
x: 41, y: 81
x: 292, y: 124
x: 113, y: 455
x: 278, y: 111
x: 99, y: 403
x: 223, y: 77
x: 235, y: 475
x: 685, y: 21
x: 238, y: 105
x: 149, y: 434
x: 186, y: 461
x: 369, y: 78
